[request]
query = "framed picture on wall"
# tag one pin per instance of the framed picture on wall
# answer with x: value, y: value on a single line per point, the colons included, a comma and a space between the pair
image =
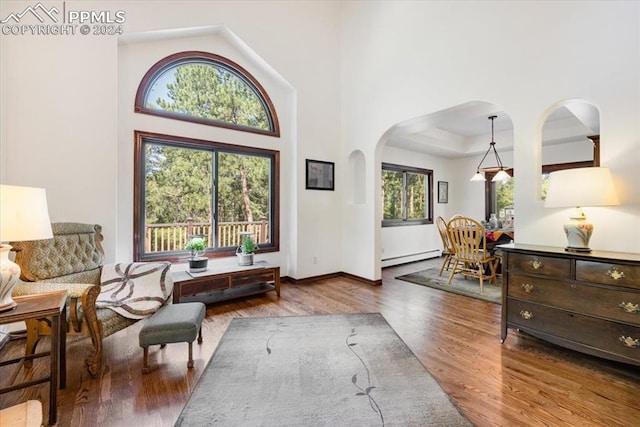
x: 443, y: 192
x: 319, y: 175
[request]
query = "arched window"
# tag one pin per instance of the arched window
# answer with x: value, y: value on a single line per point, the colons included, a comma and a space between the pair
x: 209, y: 89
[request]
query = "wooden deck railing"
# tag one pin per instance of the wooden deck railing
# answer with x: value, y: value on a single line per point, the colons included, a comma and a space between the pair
x: 174, y: 236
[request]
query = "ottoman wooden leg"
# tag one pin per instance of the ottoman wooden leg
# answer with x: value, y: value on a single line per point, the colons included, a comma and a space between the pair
x: 190, y: 363
x: 145, y: 364
x: 200, y: 335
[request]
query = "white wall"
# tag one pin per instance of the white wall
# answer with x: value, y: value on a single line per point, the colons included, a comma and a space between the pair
x: 578, y: 151
x: 354, y: 75
x: 66, y: 124
x: 449, y: 53
x: 59, y: 123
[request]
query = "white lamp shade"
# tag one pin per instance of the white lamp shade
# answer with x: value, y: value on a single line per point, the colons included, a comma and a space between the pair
x: 478, y: 177
x: 23, y: 214
x: 501, y: 176
x: 592, y: 186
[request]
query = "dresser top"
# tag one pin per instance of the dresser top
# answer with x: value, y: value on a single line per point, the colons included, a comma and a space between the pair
x: 560, y: 252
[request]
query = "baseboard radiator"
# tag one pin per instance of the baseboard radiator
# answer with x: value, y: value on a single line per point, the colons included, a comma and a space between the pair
x: 404, y: 259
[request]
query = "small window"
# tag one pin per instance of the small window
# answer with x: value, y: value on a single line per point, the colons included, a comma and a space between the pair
x: 407, y: 195
x: 209, y: 89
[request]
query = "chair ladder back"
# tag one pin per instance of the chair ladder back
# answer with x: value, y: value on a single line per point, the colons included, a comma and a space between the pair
x: 467, y: 237
x: 444, y: 235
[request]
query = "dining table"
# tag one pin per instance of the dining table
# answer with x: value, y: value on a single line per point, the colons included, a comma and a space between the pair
x: 496, y: 237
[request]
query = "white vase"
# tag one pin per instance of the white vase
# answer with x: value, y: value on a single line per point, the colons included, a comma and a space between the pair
x: 244, y: 259
x: 493, y: 221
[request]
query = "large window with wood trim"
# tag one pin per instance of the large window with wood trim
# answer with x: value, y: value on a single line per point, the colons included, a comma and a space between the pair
x: 187, y: 187
x: 407, y: 195
x: 208, y: 89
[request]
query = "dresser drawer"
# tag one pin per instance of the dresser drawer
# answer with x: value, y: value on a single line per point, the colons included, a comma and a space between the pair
x: 621, y: 305
x: 608, y: 273
x: 534, y: 264
x: 600, y: 334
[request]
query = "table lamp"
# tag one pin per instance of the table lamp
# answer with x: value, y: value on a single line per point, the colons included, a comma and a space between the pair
x: 580, y: 187
x: 23, y: 216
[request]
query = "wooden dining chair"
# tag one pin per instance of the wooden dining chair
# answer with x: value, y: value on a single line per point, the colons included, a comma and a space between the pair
x: 448, y: 250
x: 471, y: 256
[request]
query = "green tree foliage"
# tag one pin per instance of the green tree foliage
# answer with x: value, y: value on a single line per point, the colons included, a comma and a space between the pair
x: 243, y: 187
x: 394, y: 193
x: 416, y: 191
x: 391, y: 194
x: 178, y: 184
x: 504, y: 195
x: 180, y: 181
x: 209, y: 92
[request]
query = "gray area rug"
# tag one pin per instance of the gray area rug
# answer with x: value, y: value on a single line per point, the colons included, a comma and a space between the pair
x: 330, y: 370
x: 468, y: 287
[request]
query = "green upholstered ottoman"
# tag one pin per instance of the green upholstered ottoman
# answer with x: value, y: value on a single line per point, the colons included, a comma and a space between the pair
x: 170, y: 324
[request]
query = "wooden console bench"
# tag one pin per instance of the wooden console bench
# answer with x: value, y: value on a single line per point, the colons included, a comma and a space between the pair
x: 224, y: 283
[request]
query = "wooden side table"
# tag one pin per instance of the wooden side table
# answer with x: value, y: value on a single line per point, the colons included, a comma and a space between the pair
x: 47, y: 305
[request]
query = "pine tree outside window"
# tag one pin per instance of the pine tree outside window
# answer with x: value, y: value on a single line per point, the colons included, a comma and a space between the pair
x: 188, y: 188
x: 209, y: 89
x: 407, y: 195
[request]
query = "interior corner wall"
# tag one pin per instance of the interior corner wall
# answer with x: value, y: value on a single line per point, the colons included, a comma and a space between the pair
x: 63, y: 118
x: 450, y: 52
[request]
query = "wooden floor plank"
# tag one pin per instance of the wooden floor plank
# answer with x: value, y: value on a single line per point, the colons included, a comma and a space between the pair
x: 523, y: 382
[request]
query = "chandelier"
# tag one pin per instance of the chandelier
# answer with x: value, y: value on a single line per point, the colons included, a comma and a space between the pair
x: 502, y: 175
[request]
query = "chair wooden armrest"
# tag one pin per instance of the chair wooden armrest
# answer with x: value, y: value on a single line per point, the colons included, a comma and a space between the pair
x: 81, y: 310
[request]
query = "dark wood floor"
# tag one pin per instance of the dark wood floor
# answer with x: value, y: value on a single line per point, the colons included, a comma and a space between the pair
x: 523, y: 382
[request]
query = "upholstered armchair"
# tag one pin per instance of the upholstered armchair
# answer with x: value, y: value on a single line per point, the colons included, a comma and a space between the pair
x: 73, y: 261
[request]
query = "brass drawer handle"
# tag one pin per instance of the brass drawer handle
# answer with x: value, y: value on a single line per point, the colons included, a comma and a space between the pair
x: 535, y: 263
x: 630, y: 307
x: 527, y: 287
x: 526, y: 315
x: 615, y: 274
x: 630, y: 342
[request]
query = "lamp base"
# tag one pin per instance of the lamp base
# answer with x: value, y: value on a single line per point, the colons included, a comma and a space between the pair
x: 578, y: 231
x: 9, y: 274
x: 581, y: 250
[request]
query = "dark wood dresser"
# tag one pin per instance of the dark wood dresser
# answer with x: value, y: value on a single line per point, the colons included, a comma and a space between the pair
x: 585, y: 302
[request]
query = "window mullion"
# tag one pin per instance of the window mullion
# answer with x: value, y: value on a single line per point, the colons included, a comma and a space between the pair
x: 214, y: 201
x: 404, y: 195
